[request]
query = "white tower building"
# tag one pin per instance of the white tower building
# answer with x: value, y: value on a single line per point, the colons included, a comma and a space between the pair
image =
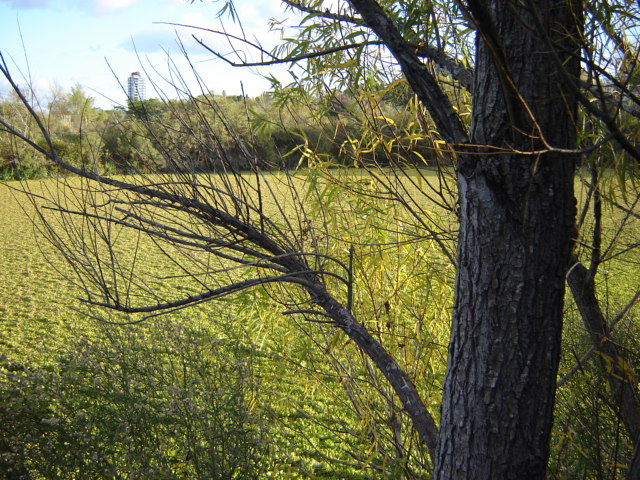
x: 136, y: 87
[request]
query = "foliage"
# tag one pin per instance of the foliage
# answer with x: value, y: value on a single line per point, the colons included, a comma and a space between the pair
x: 318, y: 421
x: 123, y: 142
x: 321, y: 424
x: 166, y: 401
x: 342, y: 250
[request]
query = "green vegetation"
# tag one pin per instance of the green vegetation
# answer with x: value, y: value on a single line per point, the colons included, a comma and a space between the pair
x: 163, y: 401
x: 285, y: 399
x: 122, y: 141
x: 324, y: 220
x: 81, y: 399
x: 237, y: 387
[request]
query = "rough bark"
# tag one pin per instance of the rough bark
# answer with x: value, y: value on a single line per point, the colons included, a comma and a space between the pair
x: 634, y: 468
x: 516, y: 227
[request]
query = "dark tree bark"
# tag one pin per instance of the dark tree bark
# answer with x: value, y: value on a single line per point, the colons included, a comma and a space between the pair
x: 516, y: 227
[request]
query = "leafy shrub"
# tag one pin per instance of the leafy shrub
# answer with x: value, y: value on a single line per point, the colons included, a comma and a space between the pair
x: 159, y: 401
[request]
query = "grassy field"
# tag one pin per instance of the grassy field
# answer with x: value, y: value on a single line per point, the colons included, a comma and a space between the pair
x: 302, y: 397
x: 34, y: 311
x: 198, y: 393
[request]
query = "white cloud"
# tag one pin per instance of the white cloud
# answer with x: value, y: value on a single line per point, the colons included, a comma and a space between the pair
x: 161, y: 38
x: 254, y: 17
x: 23, y: 4
x: 197, y: 19
x: 165, y: 37
x: 105, y: 6
x: 254, y: 26
x: 150, y: 40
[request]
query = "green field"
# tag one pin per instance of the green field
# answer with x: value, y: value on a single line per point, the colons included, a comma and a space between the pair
x: 235, y: 389
x: 305, y: 401
x: 34, y: 312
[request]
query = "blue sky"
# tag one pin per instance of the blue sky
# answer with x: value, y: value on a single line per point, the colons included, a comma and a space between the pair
x: 68, y: 42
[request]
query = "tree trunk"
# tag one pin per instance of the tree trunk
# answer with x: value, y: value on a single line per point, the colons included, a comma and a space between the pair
x: 516, y: 226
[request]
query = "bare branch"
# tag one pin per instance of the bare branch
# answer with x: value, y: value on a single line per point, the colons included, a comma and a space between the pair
x: 457, y: 70
x: 291, y: 59
x: 620, y: 375
x: 223, y: 221
x: 210, y: 295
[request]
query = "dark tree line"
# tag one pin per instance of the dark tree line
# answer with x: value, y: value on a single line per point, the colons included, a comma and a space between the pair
x: 122, y: 141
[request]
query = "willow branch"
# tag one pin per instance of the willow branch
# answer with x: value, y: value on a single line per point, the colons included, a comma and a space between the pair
x: 420, y: 79
x: 327, y: 14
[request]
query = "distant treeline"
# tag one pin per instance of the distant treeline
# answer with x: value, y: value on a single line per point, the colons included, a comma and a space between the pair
x: 209, y: 132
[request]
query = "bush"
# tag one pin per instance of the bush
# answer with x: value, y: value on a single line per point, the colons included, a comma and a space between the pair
x: 160, y: 401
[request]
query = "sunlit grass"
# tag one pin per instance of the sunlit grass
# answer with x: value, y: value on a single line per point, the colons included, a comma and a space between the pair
x: 303, y: 367
x: 320, y: 397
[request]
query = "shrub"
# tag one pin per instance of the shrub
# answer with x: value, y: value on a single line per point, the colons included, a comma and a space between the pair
x: 159, y: 401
